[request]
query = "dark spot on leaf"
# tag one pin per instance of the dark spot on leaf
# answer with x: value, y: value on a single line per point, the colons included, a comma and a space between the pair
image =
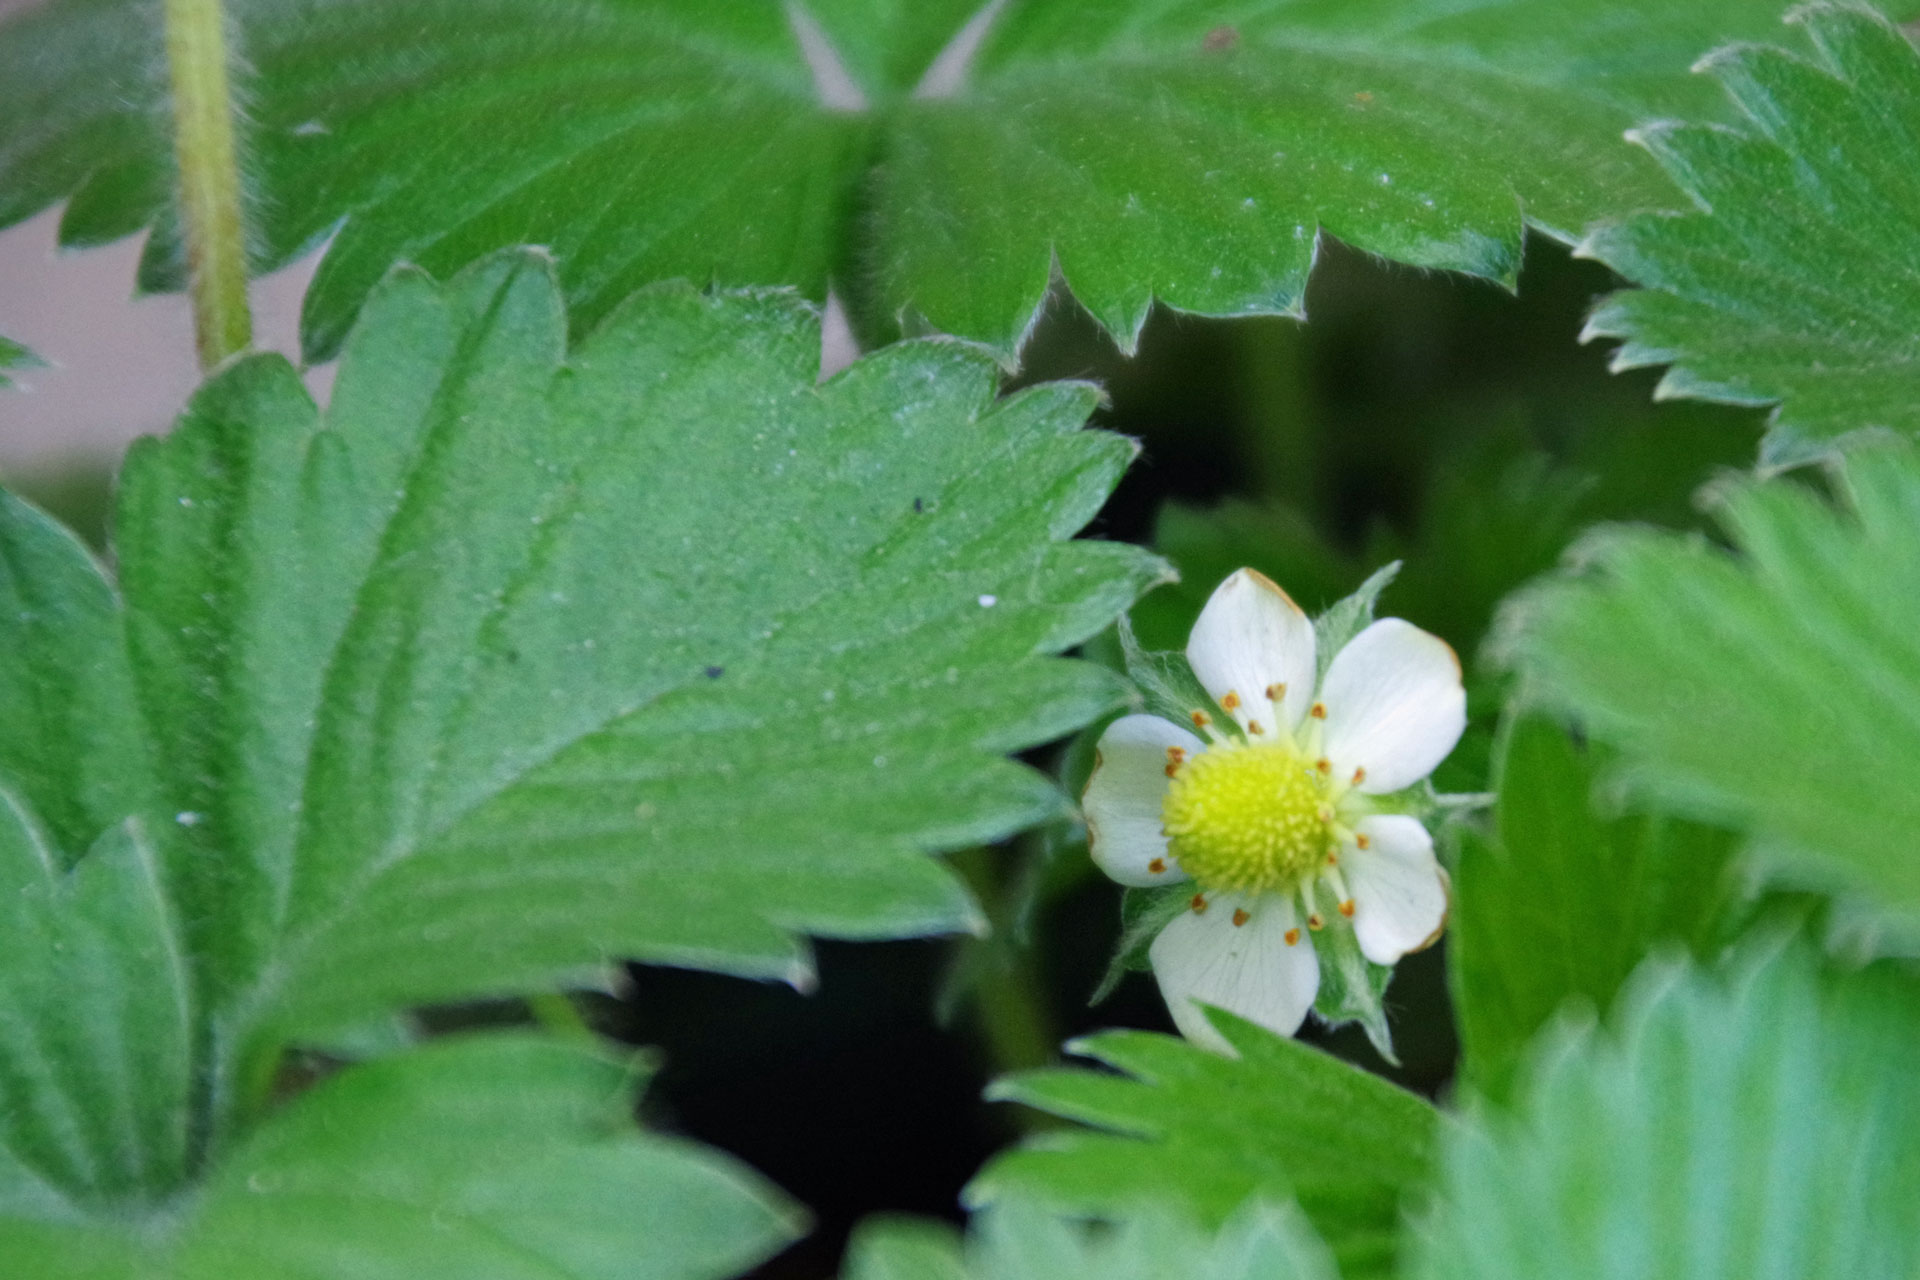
x: 1220, y: 39
x: 919, y: 506
x: 714, y: 673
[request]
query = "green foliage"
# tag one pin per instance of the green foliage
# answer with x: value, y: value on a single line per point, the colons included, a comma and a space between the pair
x: 1793, y: 279
x: 503, y: 1156
x: 1161, y: 152
x: 511, y: 661
x: 1188, y: 1127
x: 1565, y: 899
x: 14, y: 356
x: 1021, y: 1242
x: 1760, y: 1125
x: 1775, y: 689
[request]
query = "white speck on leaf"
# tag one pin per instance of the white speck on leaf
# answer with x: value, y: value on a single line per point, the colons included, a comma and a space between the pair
x: 987, y: 602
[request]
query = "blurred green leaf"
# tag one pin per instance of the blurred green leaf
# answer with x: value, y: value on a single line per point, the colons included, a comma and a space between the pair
x: 1187, y: 1127
x: 1188, y: 153
x: 1761, y: 1125
x: 1018, y: 1241
x: 1774, y: 689
x: 1565, y: 900
x: 14, y: 356
x: 505, y: 1156
x: 508, y: 1156
x: 1793, y: 278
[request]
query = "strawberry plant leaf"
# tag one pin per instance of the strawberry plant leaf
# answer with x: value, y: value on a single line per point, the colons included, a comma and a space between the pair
x: 1773, y: 689
x: 1751, y: 1125
x: 1016, y: 1241
x: 1189, y: 154
x: 513, y: 660
x: 1565, y: 898
x: 1792, y: 279
x: 1186, y: 1126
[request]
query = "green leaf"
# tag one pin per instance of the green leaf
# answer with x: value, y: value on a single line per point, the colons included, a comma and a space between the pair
x: 1016, y: 1241
x: 1186, y: 154
x: 14, y: 356
x: 1188, y: 1127
x: 1759, y: 1126
x: 1773, y: 689
x: 513, y: 661
x: 1566, y: 899
x: 96, y: 1025
x: 506, y: 1156
x: 1792, y: 280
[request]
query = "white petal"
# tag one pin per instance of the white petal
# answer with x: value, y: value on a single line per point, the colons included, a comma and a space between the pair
x: 1399, y: 891
x: 1249, y: 969
x: 1395, y: 706
x: 1123, y: 797
x: 1250, y: 638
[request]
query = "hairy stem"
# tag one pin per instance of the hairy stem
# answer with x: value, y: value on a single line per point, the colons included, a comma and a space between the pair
x: 209, y: 178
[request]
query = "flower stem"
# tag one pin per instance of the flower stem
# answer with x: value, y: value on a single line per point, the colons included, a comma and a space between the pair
x: 209, y: 178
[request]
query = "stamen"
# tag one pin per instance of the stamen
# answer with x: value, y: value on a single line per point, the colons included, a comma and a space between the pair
x: 1240, y: 917
x: 1315, y: 923
x: 1253, y: 726
x: 1176, y: 756
x: 1201, y: 719
x: 1324, y: 765
x: 1158, y: 866
x: 1231, y: 702
x: 1276, y: 692
x: 1333, y: 858
x: 1359, y: 776
x: 1199, y: 904
x: 1346, y: 908
x: 1293, y: 937
x: 1360, y: 841
x: 1318, y: 711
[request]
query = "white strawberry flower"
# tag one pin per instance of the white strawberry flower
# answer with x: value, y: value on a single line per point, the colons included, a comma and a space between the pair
x: 1276, y: 819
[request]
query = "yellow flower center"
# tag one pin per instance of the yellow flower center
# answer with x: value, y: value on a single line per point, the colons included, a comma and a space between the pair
x: 1247, y: 818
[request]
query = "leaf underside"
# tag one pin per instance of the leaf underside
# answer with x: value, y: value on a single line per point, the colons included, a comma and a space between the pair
x: 1185, y: 153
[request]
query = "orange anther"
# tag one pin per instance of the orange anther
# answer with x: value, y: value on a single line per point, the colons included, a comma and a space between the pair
x: 1231, y: 702
x: 1253, y: 726
x: 1359, y: 776
x: 1240, y: 917
x: 1346, y: 908
x: 1314, y: 922
x: 1201, y: 719
x: 1318, y: 711
x: 1157, y: 866
x: 1199, y: 904
x: 1361, y: 842
x: 1275, y: 692
x: 1293, y: 937
x: 1323, y: 764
